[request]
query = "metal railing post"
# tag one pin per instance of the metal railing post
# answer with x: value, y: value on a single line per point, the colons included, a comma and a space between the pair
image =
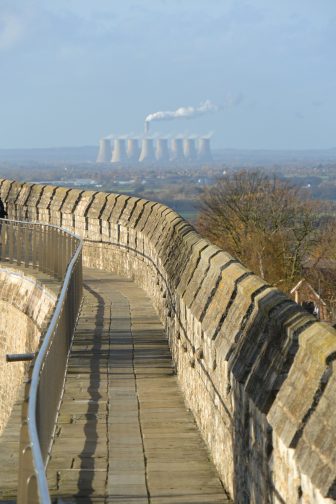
x: 27, y: 255
x: 39, y: 260
x: 18, y: 243
x: 10, y: 243
x: 34, y: 247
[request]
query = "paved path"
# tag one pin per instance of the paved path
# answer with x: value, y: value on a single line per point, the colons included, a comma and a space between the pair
x: 124, y: 434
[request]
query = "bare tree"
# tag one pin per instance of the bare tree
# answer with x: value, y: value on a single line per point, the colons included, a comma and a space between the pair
x: 263, y: 221
x: 320, y: 267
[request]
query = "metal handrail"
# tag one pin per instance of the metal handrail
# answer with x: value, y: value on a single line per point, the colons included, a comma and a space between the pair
x: 32, y: 427
x: 41, y: 254
x: 44, y: 390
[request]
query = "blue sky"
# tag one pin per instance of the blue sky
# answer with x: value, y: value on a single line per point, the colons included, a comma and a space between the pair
x: 73, y: 71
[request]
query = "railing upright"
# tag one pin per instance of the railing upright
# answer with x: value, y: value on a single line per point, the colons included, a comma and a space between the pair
x: 10, y: 244
x: 27, y: 255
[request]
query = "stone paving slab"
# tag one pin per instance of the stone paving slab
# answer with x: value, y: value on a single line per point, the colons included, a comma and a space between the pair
x: 124, y: 435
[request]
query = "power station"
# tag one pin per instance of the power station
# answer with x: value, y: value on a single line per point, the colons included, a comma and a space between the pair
x: 161, y: 151
x: 105, y: 151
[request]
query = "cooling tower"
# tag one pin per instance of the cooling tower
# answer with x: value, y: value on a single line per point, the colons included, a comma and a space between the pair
x: 105, y: 151
x: 133, y: 150
x: 204, y: 152
x: 177, y: 150
x: 162, y: 151
x: 147, y: 151
x: 119, y: 151
x: 189, y: 149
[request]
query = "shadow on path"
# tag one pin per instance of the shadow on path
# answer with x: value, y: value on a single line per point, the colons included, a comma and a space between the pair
x: 87, y: 455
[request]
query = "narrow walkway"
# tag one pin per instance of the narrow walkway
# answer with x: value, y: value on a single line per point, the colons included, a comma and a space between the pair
x: 124, y: 434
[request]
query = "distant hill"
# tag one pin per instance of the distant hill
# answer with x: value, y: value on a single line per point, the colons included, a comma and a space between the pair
x: 87, y: 153
x: 264, y: 157
x: 233, y: 157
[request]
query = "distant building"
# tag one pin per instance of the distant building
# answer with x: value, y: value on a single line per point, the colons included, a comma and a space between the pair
x: 320, y: 273
x: 305, y: 295
x: 159, y: 151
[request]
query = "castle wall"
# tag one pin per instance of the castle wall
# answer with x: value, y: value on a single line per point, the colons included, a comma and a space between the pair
x: 25, y: 306
x: 257, y: 371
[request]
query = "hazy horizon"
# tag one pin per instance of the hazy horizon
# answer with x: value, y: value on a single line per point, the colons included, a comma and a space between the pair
x: 74, y: 71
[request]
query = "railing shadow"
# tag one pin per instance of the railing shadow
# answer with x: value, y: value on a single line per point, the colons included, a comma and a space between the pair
x: 87, y: 455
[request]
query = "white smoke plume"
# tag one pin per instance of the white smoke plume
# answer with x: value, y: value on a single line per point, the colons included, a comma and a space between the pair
x: 205, y: 107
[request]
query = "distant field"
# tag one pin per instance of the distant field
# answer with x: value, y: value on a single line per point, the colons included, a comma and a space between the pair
x: 189, y: 209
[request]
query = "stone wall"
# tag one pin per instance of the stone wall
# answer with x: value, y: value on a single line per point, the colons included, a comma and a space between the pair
x: 257, y: 371
x: 25, y: 306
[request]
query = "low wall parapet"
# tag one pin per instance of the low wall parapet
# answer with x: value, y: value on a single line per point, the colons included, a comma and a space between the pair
x: 25, y: 307
x: 257, y: 371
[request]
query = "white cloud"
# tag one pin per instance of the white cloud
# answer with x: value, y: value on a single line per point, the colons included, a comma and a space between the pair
x: 11, y: 31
